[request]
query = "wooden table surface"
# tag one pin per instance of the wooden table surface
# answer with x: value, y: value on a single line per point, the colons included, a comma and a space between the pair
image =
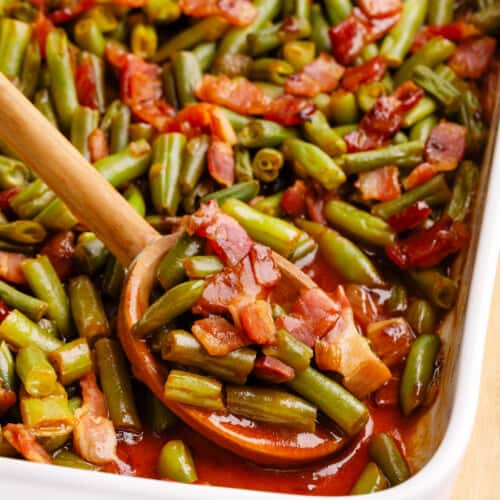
x: 481, y: 468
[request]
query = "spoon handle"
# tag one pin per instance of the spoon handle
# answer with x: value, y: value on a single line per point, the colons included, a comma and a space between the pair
x: 92, y: 200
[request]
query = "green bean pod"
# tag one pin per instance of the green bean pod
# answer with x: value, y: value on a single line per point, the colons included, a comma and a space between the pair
x: 422, y: 317
x: 72, y: 361
x: 194, y: 162
x: 464, y: 188
x: 176, y: 463
x: 290, y: 350
x: 264, y: 133
x: 385, y: 453
x: 371, y: 480
x: 202, y: 266
x: 35, y: 372
x: 440, y: 290
x: 34, y: 308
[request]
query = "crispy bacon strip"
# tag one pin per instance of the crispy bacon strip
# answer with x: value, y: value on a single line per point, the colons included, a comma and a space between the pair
x: 98, y: 145
x: 10, y: 267
x: 257, y: 322
x: 60, y: 249
x: 237, y: 12
x: 86, y: 85
x: 380, y: 8
x: 298, y: 327
x: 265, y: 269
x: 273, y: 370
x: 473, y: 57
x: 71, y: 11
x: 363, y: 303
x: 23, y: 439
x: 381, y: 184
x: 41, y: 28
x: 289, y: 110
x: 220, y: 159
x: 410, y: 217
x: 218, y: 336
x: 370, y: 71
x: 8, y: 398
x: 456, y: 31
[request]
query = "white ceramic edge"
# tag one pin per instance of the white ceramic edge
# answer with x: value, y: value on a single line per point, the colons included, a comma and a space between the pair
x: 434, y: 481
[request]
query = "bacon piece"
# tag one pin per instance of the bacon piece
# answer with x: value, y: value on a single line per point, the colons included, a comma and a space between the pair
x: 344, y: 350
x: 10, y: 267
x: 380, y: 8
x: 289, y: 110
x: 348, y: 39
x: 370, y: 71
x: 489, y: 92
x: 42, y: 26
x: 60, y: 249
x: 388, y: 395
x: 273, y: 370
x: 86, y: 85
x: 360, y: 140
x: 227, y: 238
x: 446, y: 145
x: 391, y: 339
x: 4, y: 312
x: 237, y: 94
x: 456, y: 31
x: 8, y: 398
x: 422, y: 173
x: 71, y: 11
x: 293, y: 201
x: 363, y: 304
x: 297, y: 327
x: 7, y: 195
x: 98, y: 145
x: 408, y: 94
x: 237, y: 12
x: 23, y: 439
x: 218, y: 336
x: 94, y: 436
x: 410, y: 217
x: 381, y: 184
x: 321, y: 75
x: 220, y: 159
x: 315, y: 208
x: 429, y: 247
x: 267, y: 273
x: 257, y: 321
x: 473, y: 57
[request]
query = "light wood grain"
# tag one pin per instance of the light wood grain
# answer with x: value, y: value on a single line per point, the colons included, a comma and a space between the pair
x: 479, y: 474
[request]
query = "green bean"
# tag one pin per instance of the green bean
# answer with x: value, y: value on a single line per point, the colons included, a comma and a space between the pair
x: 266, y: 39
x: 89, y: 37
x: 90, y: 253
x: 206, y: 30
x: 464, y: 188
x: 160, y: 418
x: 342, y: 254
x: 30, y: 70
x: 171, y: 271
x: 32, y: 199
x: 62, y: 81
x: 368, y: 93
x: 298, y: 53
x: 86, y: 306
x: 104, y: 16
x: 269, y: 69
x: 487, y: 19
x: 276, y: 233
x: 43, y: 103
x: 309, y: 160
x: 43, y: 280
x: 358, y: 223
x: 72, y: 361
x: 344, y: 107
x: 237, y: 120
x: 243, y: 191
x: 7, y: 368
x: 35, y: 372
x: 141, y: 130
x: 120, y: 129
x: 291, y: 351
x: 173, y: 303
x: 143, y: 40
x: 271, y: 90
x: 435, y: 192
x: 418, y: 372
x: 20, y: 331
x: 385, y: 453
x: 181, y: 347
x: 264, y: 133
x: 162, y: 11
x: 470, y: 115
x: 83, y: 122
x: 187, y: 74
x: 398, y: 42
x: 48, y: 325
x: 337, y: 10
x: 128, y: 164
x: 116, y: 385
x: 135, y: 199
x: 194, y: 162
x: 434, y: 52
x: 195, y: 390
x: 305, y: 247
x: 371, y: 480
x: 176, y: 463
x: 422, y: 129
x: 422, y: 317
x: 164, y: 175
x: 14, y: 39
x: 318, y: 131
x: 23, y: 231
x: 66, y: 458
x: 13, y: 173
x: 319, y: 29
x: 97, y: 65
x: 202, y: 266
x: 242, y: 165
x: 425, y: 107
x: 56, y: 216
x: 267, y: 163
x: 397, y: 303
x: 32, y: 307
x: 270, y: 205
x: 114, y: 275
x: 440, y: 12
x: 236, y: 38
x: 400, y: 138
x: 332, y: 399
x: 205, y: 53
x: 271, y: 406
x: 440, y: 290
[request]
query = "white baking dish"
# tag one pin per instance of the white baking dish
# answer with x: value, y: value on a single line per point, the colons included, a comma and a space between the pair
x: 440, y: 440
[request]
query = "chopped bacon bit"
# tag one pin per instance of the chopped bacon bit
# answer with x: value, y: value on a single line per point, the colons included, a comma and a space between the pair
x: 237, y: 94
x: 388, y: 395
x: 360, y: 140
x: 456, y: 31
x: 71, y: 11
x: 380, y: 8
x: 10, y: 267
x: 60, y: 249
x: 315, y: 209
x: 93, y: 398
x: 220, y: 159
x: 420, y: 174
x: 429, y: 247
x: 98, y: 145
x: 42, y: 26
x: 227, y: 238
x: 7, y: 195
x: 344, y: 350
x: 288, y: 110
x: 23, y: 439
x: 297, y: 327
x: 293, y: 201
x: 257, y: 321
x: 273, y: 370
x: 408, y: 94
x: 381, y: 184
x: 410, y: 217
x: 391, y: 339
x: 267, y: 273
x: 363, y: 304
x: 472, y: 58
x: 237, y: 12
x: 4, y: 312
x: 86, y: 85
x: 446, y: 145
x: 489, y: 92
x: 218, y: 336
x: 370, y: 71
x: 321, y: 75
x: 8, y: 398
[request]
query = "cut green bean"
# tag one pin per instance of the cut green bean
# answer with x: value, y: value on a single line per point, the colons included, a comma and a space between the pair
x: 440, y: 290
x: 35, y: 372
x: 385, y: 453
x: 187, y: 74
x: 243, y: 191
x: 194, y: 162
x: 72, y: 361
x: 264, y: 133
x: 83, y: 122
x: 160, y: 418
x: 31, y: 67
x: 291, y: 351
x: 202, y: 266
x: 318, y: 131
x: 7, y: 368
x: 371, y: 480
x: 422, y: 317
x: 34, y: 308
x: 464, y: 188
x: 176, y: 463
x: 14, y: 39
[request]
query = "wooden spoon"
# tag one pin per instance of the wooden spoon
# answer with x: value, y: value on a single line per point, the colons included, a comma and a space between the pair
x: 137, y: 245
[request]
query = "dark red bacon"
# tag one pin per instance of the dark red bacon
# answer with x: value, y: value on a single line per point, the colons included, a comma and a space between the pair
x: 273, y: 370
x: 218, y: 336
